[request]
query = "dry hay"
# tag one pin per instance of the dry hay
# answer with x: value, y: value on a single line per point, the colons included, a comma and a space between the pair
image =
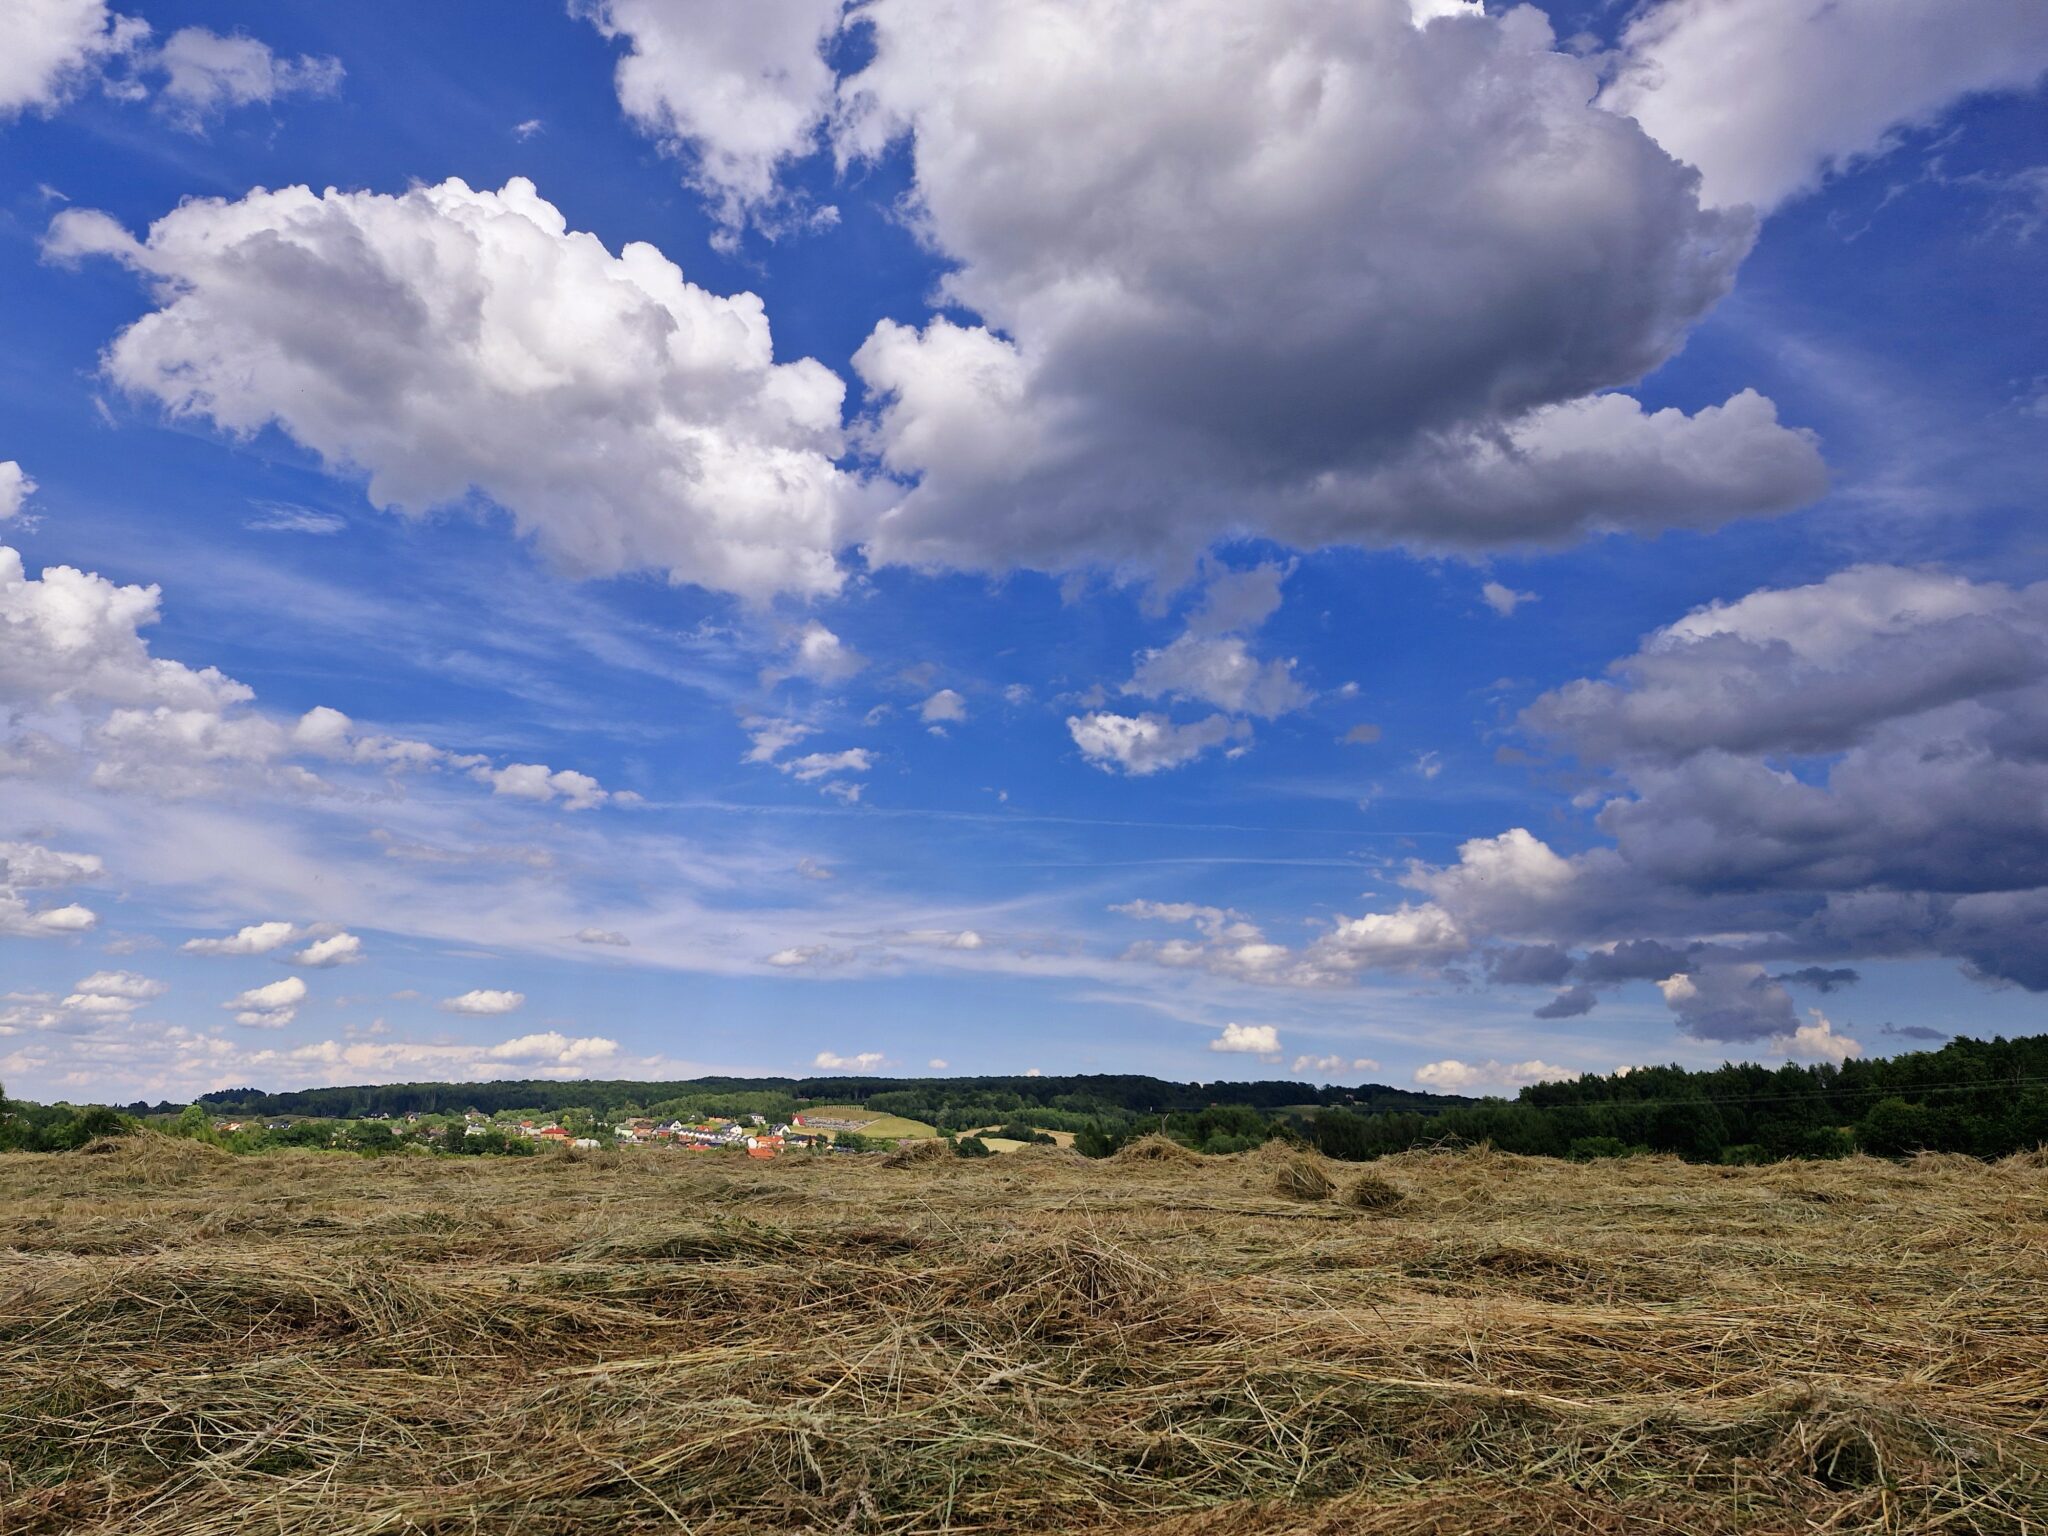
x: 911, y: 1153
x: 318, y: 1345
x: 1370, y: 1192
x: 1303, y: 1178
x: 1157, y: 1149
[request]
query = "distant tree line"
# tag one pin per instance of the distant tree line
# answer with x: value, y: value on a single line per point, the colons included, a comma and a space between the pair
x: 56, y: 1127
x: 954, y: 1103
x: 1986, y: 1098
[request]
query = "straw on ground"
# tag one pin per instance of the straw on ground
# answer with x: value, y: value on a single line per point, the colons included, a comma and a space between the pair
x: 624, y: 1343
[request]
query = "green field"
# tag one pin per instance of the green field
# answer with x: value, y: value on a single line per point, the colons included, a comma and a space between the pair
x: 889, y: 1127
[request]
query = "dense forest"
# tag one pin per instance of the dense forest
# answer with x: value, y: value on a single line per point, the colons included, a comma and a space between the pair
x: 1986, y: 1098
x: 950, y: 1103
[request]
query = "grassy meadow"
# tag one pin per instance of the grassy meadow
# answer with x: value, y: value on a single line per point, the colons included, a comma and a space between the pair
x: 202, y: 1344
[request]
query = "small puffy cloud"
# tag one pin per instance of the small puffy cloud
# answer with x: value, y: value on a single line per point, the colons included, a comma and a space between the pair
x: 484, y: 1000
x: 15, y: 489
x: 817, y: 655
x: 832, y: 1061
x: 1230, y: 946
x: 1571, y: 1003
x: 535, y: 781
x: 1238, y: 602
x: 1505, y: 600
x: 1453, y: 1076
x: 527, y: 129
x: 268, y: 1007
x: 1215, y: 923
x: 813, y: 766
x: 602, y: 936
x: 553, y: 1048
x: 335, y: 949
x: 206, y: 74
x: 1219, y: 671
x: 1333, y: 1066
x: 770, y: 738
x: 1140, y: 745
x: 25, y: 867
x: 111, y: 995
x: 1249, y: 1040
x: 256, y: 939
x: 1817, y: 1041
x: 1362, y: 735
x: 943, y: 707
x: 938, y: 1064
x: 124, y: 984
x: 1415, y: 933
x: 1730, y: 1002
x: 810, y: 869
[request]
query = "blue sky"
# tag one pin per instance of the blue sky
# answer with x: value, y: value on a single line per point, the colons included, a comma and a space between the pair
x: 1441, y: 545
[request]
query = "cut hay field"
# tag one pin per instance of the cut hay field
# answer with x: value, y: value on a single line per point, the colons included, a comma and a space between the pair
x: 1159, y: 1344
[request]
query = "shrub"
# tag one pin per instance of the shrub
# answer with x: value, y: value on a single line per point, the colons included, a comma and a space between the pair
x: 1093, y: 1140
x: 1585, y: 1149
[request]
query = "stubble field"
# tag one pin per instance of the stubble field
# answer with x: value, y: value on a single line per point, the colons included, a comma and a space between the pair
x: 631, y: 1342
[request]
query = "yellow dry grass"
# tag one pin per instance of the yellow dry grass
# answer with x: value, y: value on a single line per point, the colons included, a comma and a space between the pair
x: 637, y: 1342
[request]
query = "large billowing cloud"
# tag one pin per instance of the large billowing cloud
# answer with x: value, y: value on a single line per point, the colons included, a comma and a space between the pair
x: 448, y: 342
x: 1857, y: 768
x: 1294, y: 267
x: 1329, y: 271
x: 1766, y: 96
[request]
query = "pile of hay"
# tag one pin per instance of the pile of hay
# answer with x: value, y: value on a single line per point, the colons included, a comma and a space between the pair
x: 309, y: 1344
x: 1157, y: 1149
x: 1303, y: 1178
x: 1370, y: 1192
x: 911, y: 1153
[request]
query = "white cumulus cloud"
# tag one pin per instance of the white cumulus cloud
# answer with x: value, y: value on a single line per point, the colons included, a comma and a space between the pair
x: 832, y: 1061
x: 484, y: 1000
x: 268, y: 1007
x: 446, y: 341
x: 1249, y: 1040
x: 1768, y: 96
x: 255, y: 939
x: 1149, y: 743
x: 335, y: 949
x: 1453, y: 1076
